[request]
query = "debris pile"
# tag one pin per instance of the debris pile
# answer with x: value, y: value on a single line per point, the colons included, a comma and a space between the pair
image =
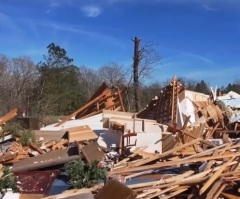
x: 184, y: 144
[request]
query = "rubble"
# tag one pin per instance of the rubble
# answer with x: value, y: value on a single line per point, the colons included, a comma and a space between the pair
x: 184, y: 144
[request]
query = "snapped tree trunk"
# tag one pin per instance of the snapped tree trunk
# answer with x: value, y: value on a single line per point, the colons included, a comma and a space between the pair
x: 136, y: 60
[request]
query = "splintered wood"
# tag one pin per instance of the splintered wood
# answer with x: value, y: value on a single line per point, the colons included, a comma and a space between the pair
x: 17, y: 152
x: 8, y: 116
x: 164, y: 108
x: 210, y: 173
x: 104, y: 98
x: 52, y: 141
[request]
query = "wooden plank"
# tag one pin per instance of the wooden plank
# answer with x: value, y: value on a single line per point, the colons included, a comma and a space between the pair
x: 162, y: 181
x: 92, y: 152
x: 37, y: 148
x: 216, y: 175
x: 230, y: 196
x: 31, y: 196
x: 115, y: 189
x: 167, y: 153
x: 218, y: 152
x: 8, y: 116
x: 219, y: 191
x: 120, y: 99
x: 48, y: 144
x: 206, y: 152
x: 82, y: 108
x: 60, y: 145
x: 214, y: 189
x: 81, y: 133
x: 7, y: 157
x: 162, y: 192
x: 73, y: 194
x: 53, y: 158
x: 171, y: 195
x: 147, y: 193
x: 50, y: 135
x: 171, y: 163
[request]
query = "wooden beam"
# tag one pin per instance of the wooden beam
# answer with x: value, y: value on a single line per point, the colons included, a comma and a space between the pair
x: 8, y: 116
x: 230, y: 196
x: 171, y: 163
x: 167, y: 153
x: 216, y: 174
x: 82, y: 108
x: 120, y: 99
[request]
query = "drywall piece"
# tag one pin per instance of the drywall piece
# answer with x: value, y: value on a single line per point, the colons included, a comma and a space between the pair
x: 10, y: 195
x: 151, y: 126
x: 127, y: 122
x: 107, y: 114
x: 193, y: 96
x: 105, y: 136
x: 137, y: 125
x: 151, y: 140
x: 148, y: 124
x: 94, y: 122
x: 187, y: 108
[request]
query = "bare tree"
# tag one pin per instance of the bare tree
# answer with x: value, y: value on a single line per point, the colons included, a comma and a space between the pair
x: 149, y: 59
x: 17, y: 84
x: 4, y: 61
x: 144, y: 62
x: 4, y: 81
x: 89, y: 81
x: 188, y: 83
x: 113, y: 73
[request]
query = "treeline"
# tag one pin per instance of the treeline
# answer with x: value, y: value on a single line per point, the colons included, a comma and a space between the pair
x: 55, y: 86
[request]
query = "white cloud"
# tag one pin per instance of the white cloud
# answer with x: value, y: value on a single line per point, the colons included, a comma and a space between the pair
x: 207, y: 7
x: 196, y: 56
x: 80, y: 30
x: 4, y: 18
x: 54, y: 4
x: 226, y: 73
x: 91, y: 11
x: 9, y: 24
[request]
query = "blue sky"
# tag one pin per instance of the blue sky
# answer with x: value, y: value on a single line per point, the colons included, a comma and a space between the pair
x: 199, y: 39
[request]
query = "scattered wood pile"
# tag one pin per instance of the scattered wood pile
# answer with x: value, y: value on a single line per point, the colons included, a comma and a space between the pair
x: 208, y: 174
x: 197, y: 156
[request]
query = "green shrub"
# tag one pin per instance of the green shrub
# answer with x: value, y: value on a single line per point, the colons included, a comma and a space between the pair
x: 7, y: 180
x: 84, y: 175
x: 15, y: 128
x: 27, y: 136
